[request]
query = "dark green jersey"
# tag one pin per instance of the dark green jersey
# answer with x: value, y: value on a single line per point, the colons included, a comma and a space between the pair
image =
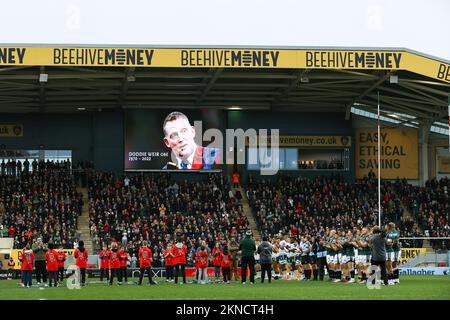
x: 282, y: 257
x: 290, y: 257
x: 330, y: 251
x: 349, y: 248
x: 364, y: 251
x: 342, y: 249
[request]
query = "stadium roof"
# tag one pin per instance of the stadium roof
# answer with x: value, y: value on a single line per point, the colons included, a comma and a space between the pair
x: 413, y: 87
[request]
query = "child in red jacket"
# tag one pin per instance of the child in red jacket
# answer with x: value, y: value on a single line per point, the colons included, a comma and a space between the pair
x: 168, y: 262
x: 217, y: 260
x: 61, y: 257
x: 145, y: 261
x: 104, y: 263
x: 179, y: 260
x: 81, y: 258
x: 27, y: 260
x: 202, y: 264
x: 226, y: 265
x: 124, y: 256
x: 114, y: 264
x: 51, y: 256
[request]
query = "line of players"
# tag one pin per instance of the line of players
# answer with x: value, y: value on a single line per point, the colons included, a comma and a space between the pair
x: 341, y: 252
x: 346, y: 254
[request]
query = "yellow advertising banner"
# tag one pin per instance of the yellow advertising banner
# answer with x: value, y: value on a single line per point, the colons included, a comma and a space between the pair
x: 310, y: 141
x: 11, y: 130
x: 444, y: 164
x: 225, y: 58
x: 16, y: 253
x: 410, y: 253
x: 399, y: 153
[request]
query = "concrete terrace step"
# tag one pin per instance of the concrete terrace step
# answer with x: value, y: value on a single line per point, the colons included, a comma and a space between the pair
x: 248, y: 213
x: 83, y: 222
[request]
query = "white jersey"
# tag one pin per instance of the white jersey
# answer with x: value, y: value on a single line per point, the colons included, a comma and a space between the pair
x: 305, y: 246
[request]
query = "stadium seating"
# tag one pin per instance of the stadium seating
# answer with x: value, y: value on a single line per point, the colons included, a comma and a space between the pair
x: 158, y: 209
x: 309, y: 206
x: 42, y: 203
x: 430, y: 207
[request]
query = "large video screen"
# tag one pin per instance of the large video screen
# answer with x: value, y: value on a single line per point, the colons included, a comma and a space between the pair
x: 178, y: 139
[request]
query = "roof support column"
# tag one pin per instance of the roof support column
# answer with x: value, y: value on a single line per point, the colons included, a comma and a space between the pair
x: 424, y: 151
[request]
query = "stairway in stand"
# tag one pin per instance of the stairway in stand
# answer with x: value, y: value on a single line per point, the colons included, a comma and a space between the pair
x: 248, y: 213
x: 83, y: 222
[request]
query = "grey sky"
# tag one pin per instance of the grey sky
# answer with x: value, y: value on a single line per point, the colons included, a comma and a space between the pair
x: 418, y: 25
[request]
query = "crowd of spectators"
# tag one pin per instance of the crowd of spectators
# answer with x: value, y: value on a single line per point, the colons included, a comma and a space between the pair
x: 13, y: 167
x: 155, y: 208
x: 42, y: 203
x: 430, y: 208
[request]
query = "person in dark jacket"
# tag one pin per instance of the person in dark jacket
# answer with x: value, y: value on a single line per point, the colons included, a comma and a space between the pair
x: 39, y: 249
x: 378, y: 245
x: 321, y: 259
x: 248, y: 248
x: 265, y: 258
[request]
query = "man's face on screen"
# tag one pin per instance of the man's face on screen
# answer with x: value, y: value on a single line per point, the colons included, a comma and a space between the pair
x: 180, y: 137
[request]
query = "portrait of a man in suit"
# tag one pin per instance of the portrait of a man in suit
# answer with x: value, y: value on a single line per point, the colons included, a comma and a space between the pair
x: 179, y: 136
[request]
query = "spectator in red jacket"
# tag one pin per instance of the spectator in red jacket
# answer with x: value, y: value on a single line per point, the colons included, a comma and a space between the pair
x: 81, y: 257
x: 27, y: 259
x: 145, y: 258
x: 61, y: 256
x: 51, y: 256
x: 124, y: 256
x: 236, y: 178
x: 104, y: 262
x: 217, y: 260
x: 179, y: 252
x: 114, y: 264
x: 11, y: 232
x: 202, y: 263
x: 225, y: 262
x: 168, y: 261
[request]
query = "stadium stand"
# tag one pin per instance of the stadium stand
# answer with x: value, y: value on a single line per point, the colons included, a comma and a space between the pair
x: 430, y: 207
x: 298, y: 206
x: 43, y: 203
x: 158, y: 209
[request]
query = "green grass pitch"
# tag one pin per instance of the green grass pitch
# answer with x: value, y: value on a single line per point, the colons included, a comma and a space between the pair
x: 411, y: 287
